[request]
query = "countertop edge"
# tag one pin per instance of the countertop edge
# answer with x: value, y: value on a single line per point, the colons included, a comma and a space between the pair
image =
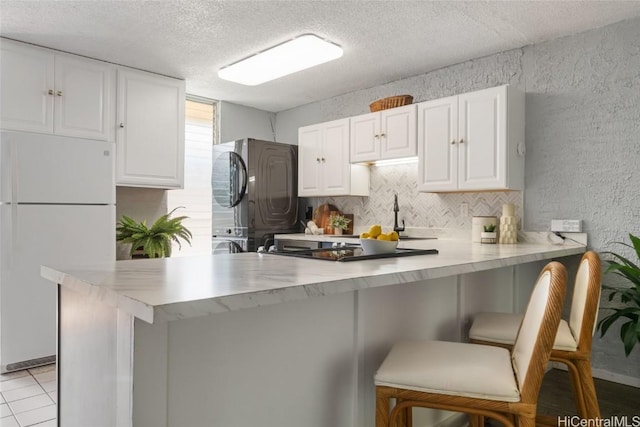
x: 188, y: 309
x: 95, y: 283
x: 100, y: 294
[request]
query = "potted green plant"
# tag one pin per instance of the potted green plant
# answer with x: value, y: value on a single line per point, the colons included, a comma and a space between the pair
x: 489, y: 235
x: 154, y: 241
x: 339, y: 223
x: 629, y: 295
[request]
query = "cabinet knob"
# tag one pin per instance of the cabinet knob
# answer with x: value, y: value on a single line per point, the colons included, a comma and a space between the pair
x: 323, y: 160
x: 121, y: 125
x: 59, y: 93
x: 383, y: 134
x: 318, y: 159
x: 461, y: 141
x: 376, y: 136
x: 50, y: 92
x: 453, y: 142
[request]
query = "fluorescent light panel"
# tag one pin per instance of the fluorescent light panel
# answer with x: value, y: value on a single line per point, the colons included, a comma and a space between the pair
x: 289, y: 57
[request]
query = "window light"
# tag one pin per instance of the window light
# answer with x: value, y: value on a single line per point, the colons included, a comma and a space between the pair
x: 303, y: 52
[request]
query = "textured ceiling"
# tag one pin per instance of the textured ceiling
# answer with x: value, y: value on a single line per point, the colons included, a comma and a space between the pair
x: 383, y: 40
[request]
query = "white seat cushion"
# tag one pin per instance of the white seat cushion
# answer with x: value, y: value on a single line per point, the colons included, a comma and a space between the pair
x: 452, y: 368
x: 503, y: 327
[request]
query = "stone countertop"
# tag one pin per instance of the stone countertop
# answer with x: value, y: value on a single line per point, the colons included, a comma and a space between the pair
x: 183, y: 287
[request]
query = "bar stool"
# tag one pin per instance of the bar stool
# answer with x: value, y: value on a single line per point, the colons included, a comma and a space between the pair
x: 572, y: 345
x: 479, y: 380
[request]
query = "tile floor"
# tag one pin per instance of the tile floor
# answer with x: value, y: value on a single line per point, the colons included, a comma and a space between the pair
x: 28, y: 398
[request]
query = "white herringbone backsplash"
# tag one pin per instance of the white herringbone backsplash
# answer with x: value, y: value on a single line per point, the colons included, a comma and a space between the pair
x: 419, y: 209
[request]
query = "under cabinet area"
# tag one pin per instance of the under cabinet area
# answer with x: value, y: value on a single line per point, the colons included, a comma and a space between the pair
x: 387, y: 134
x: 45, y: 91
x: 472, y: 142
x: 150, y: 130
x: 323, y: 162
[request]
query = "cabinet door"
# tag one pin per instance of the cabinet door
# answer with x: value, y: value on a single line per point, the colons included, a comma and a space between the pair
x: 438, y: 145
x: 84, y: 98
x: 398, y: 132
x: 482, y: 133
x: 309, y: 166
x: 365, y: 138
x: 150, y: 133
x: 26, y: 78
x: 336, y: 172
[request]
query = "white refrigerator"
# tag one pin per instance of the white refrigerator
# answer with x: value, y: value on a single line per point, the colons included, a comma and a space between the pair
x: 57, y: 207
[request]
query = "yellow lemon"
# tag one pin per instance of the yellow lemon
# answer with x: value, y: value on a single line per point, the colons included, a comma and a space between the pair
x: 393, y: 236
x: 364, y: 235
x: 383, y: 236
x: 375, y: 230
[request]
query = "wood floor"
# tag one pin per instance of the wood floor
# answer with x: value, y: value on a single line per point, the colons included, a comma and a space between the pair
x: 615, y: 399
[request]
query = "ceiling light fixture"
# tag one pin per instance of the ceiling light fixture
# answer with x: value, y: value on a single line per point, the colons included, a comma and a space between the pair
x: 300, y: 53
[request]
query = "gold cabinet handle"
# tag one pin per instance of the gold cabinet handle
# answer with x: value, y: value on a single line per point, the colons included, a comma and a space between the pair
x: 453, y: 142
x: 50, y: 92
x: 461, y: 141
x: 121, y: 125
x: 59, y: 93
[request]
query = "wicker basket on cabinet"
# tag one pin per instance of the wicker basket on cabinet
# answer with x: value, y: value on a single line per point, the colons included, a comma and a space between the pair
x: 390, y: 102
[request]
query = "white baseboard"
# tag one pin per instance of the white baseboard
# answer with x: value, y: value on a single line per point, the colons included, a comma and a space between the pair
x: 606, y: 375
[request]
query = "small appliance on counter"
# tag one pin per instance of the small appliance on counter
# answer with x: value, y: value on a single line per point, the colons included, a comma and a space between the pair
x: 255, y: 194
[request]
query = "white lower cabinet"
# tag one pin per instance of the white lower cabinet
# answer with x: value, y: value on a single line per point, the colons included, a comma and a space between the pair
x: 472, y: 142
x: 323, y: 162
x: 150, y: 130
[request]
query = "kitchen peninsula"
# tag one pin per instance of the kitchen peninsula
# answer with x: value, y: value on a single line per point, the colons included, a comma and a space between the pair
x: 258, y: 339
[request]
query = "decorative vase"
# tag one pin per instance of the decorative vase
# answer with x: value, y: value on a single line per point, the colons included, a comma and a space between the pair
x: 508, y: 225
x: 337, y: 231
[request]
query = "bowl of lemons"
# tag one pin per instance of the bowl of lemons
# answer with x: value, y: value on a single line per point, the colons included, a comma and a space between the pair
x: 376, y: 242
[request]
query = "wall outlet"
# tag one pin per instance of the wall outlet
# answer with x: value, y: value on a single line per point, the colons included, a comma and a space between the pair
x: 566, y: 225
x: 464, y: 209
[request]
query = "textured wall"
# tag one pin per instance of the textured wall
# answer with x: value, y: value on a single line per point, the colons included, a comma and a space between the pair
x: 582, y: 139
x: 583, y: 145
x: 238, y: 121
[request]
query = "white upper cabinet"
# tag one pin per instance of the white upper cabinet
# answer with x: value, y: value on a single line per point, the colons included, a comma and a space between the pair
x: 323, y: 162
x: 150, y: 130
x: 472, y: 142
x: 387, y: 134
x: 50, y: 92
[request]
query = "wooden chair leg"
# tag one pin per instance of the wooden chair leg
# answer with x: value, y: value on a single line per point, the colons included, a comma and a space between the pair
x: 382, y: 410
x: 588, y: 389
x: 522, y: 421
x: 475, y: 420
x: 402, y: 419
x: 576, y: 385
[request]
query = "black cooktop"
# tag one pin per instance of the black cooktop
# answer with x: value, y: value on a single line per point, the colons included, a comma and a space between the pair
x: 351, y: 253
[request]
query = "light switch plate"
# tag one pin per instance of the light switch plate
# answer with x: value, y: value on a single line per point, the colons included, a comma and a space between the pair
x: 566, y: 225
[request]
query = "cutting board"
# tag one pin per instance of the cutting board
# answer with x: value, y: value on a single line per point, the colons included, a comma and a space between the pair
x: 321, y: 216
